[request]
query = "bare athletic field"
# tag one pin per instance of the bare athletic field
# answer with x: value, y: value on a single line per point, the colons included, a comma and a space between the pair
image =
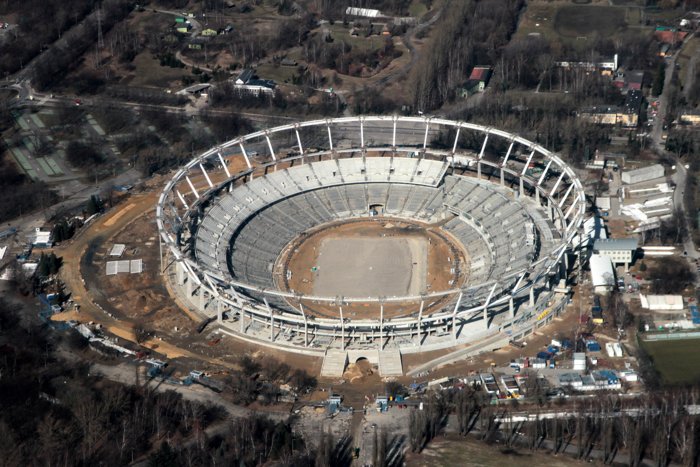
x: 371, y: 266
x: 406, y: 258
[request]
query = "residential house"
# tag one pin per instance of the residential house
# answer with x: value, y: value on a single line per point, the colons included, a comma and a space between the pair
x: 478, y: 80
x: 247, y: 81
x: 670, y: 36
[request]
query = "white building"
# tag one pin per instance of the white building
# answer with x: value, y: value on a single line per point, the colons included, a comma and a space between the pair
x: 643, y: 174
x: 602, y: 274
x: 364, y: 12
x: 248, y: 82
x: 41, y: 238
x: 662, y: 302
x: 619, y: 250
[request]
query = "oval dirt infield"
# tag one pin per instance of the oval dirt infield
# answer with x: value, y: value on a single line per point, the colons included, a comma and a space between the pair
x: 380, y: 257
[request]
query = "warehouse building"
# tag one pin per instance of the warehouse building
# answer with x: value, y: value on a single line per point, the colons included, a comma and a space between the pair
x: 619, y: 250
x: 643, y: 174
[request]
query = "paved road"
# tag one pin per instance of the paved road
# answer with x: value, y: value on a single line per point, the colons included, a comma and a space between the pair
x: 658, y: 145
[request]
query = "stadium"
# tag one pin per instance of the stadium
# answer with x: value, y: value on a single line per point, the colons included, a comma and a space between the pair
x: 373, y: 237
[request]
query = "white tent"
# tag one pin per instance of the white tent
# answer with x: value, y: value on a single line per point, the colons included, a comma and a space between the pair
x: 662, y: 302
x: 602, y: 274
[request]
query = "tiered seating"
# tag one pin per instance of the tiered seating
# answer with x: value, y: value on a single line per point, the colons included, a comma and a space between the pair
x: 257, y: 220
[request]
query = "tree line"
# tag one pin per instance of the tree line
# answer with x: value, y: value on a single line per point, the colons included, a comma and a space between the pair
x: 468, y: 33
x: 656, y: 427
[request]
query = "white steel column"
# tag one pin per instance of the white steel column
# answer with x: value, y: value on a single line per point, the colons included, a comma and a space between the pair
x: 362, y: 133
x: 269, y: 145
x: 566, y: 195
x: 454, y: 316
x: 245, y: 155
x: 182, y: 199
x: 241, y: 314
x: 206, y: 175
x: 301, y: 148
x: 425, y: 137
x: 180, y: 273
x: 568, y: 211
x: 556, y: 185
x: 511, y: 308
x: 272, y: 320
x: 527, y: 164
x: 306, y: 326
x: 223, y: 164
x: 342, y: 329
x: 189, y: 182
x: 487, y: 303
x: 505, y: 161
x: 454, y: 146
x: 481, y: 155
x: 330, y: 137
x: 420, y: 318
x: 544, y: 174
x: 381, y: 326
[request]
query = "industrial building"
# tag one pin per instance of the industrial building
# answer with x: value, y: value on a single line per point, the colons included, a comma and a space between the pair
x: 619, y: 250
x: 643, y: 174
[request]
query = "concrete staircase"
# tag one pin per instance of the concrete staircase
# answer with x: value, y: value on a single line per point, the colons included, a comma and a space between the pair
x: 334, y: 362
x: 390, y: 363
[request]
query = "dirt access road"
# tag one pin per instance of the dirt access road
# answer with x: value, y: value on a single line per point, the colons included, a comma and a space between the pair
x: 73, y: 251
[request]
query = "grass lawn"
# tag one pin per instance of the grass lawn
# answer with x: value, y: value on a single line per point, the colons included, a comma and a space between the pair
x: 678, y: 361
x: 281, y: 74
x: 575, y: 24
x: 455, y: 451
x: 149, y: 72
x: 580, y: 21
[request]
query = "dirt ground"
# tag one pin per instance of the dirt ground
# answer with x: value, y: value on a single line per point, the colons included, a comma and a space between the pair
x: 124, y: 302
x: 301, y: 257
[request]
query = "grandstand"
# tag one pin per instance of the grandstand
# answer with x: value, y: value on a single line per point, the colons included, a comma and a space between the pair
x: 230, y: 239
